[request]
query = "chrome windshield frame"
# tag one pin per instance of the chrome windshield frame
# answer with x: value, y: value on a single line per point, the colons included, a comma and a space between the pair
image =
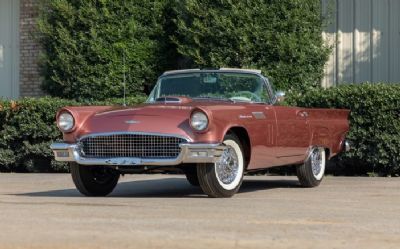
x: 151, y: 98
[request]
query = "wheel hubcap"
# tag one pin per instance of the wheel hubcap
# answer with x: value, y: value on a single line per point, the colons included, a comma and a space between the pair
x: 228, y: 166
x: 316, y: 162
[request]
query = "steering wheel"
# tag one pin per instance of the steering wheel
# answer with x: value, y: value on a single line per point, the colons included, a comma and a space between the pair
x: 253, y: 96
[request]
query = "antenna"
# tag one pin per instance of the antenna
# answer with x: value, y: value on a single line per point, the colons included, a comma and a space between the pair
x: 123, y: 64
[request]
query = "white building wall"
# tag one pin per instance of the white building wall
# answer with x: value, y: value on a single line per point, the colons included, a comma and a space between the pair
x: 9, y: 49
x: 365, y: 36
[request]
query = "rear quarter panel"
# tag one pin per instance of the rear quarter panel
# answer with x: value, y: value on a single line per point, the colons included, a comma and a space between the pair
x: 328, y: 128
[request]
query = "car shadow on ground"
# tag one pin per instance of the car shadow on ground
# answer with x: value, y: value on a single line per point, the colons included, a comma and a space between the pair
x: 169, y: 187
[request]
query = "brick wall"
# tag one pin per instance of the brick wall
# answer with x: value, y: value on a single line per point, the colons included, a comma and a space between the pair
x: 30, y: 80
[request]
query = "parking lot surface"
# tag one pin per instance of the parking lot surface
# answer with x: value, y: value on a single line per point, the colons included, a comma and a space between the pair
x: 164, y: 211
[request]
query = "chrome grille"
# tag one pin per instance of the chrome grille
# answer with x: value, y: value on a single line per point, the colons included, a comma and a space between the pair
x: 131, y: 145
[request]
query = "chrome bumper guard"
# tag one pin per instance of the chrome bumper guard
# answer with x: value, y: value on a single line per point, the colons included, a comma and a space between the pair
x: 190, y: 153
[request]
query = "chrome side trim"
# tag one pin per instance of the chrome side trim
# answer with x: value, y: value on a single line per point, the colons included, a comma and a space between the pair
x: 212, y: 153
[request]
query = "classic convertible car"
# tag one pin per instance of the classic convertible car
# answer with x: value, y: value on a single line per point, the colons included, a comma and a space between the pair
x: 212, y: 125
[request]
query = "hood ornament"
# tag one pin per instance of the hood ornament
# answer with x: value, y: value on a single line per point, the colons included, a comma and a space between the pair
x: 132, y: 122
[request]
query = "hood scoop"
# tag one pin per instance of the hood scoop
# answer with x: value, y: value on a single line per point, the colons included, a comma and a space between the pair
x: 173, y: 100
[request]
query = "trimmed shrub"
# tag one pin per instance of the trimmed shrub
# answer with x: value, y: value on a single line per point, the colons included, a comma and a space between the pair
x: 374, y: 124
x: 85, y: 45
x: 27, y: 128
x: 84, y: 42
x: 283, y: 38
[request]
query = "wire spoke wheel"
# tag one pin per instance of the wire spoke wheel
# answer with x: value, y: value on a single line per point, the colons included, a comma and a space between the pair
x: 223, y: 178
x: 316, y: 163
x: 227, y: 168
x: 310, y: 173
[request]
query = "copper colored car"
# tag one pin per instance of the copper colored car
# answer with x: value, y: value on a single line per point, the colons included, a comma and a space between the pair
x: 212, y: 125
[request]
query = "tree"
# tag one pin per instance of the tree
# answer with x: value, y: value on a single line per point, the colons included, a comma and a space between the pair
x: 85, y: 43
x: 280, y: 37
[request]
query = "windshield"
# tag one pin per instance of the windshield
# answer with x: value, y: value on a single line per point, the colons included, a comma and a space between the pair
x: 212, y: 85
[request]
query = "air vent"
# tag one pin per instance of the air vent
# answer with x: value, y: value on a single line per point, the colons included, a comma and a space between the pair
x: 169, y: 99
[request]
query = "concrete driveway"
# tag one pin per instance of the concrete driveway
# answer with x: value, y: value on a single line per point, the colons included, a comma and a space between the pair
x: 158, y: 211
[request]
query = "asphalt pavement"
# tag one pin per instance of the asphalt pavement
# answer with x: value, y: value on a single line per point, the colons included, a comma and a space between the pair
x: 164, y: 211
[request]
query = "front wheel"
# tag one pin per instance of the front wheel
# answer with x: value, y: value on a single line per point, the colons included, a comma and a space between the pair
x: 310, y: 173
x: 190, y: 172
x: 223, y: 178
x: 94, y: 180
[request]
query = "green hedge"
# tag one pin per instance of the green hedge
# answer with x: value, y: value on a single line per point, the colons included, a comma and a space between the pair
x: 374, y: 122
x: 27, y: 128
x: 280, y: 37
x: 85, y: 44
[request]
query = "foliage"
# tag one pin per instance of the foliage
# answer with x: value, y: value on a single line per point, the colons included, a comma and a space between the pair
x: 27, y: 128
x: 374, y: 122
x: 283, y: 38
x: 86, y: 43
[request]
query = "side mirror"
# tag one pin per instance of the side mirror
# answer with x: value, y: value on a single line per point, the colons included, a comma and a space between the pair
x: 280, y: 96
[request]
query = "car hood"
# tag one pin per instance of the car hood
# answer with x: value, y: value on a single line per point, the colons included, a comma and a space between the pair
x: 165, y: 119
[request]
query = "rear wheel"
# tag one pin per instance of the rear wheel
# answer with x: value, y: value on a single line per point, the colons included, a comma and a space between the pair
x: 310, y: 174
x: 223, y: 178
x: 94, y: 180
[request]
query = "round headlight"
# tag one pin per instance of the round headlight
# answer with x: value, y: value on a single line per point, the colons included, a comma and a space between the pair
x: 199, y: 121
x: 66, y: 121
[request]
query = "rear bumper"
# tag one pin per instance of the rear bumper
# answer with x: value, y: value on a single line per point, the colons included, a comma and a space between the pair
x: 190, y: 153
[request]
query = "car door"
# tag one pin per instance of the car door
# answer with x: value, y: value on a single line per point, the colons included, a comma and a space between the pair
x: 293, y: 134
x: 261, y: 122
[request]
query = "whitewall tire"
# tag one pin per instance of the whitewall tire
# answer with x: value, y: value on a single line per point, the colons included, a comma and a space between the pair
x: 223, y: 178
x: 312, y: 172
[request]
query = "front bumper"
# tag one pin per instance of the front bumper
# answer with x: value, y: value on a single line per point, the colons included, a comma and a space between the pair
x: 190, y: 153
